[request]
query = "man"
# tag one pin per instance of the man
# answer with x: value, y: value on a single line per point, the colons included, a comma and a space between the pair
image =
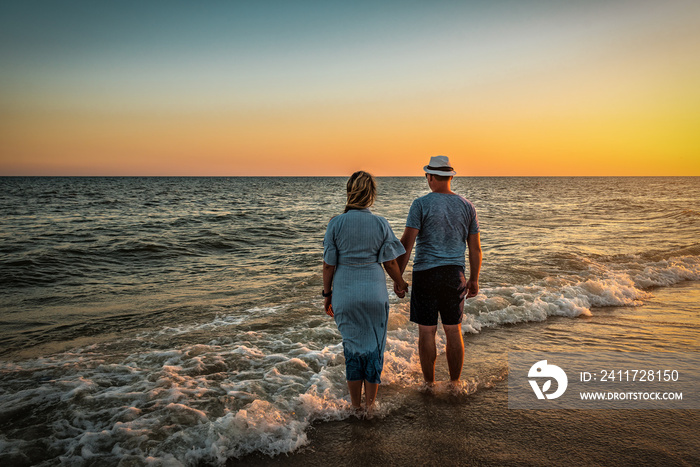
x: 442, y: 224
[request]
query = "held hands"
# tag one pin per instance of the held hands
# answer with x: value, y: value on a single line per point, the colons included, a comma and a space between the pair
x: 401, y: 289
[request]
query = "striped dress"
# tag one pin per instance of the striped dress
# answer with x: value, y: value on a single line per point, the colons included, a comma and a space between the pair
x: 356, y: 243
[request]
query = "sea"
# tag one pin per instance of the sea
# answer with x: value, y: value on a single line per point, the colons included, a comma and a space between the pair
x: 179, y: 321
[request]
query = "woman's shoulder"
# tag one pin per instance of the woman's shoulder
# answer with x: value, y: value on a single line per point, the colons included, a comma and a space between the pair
x: 381, y: 222
x: 374, y: 216
x: 367, y: 218
x: 338, y: 218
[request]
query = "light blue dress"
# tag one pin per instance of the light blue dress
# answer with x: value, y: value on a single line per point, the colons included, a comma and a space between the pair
x: 356, y: 243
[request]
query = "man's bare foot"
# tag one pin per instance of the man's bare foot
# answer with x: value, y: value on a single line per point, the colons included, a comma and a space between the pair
x: 456, y: 387
x: 428, y: 387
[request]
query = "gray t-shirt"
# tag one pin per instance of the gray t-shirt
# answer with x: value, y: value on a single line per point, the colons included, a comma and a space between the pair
x: 444, y: 221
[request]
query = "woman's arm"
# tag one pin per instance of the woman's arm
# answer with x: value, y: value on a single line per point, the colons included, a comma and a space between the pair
x: 328, y: 272
x: 400, y: 285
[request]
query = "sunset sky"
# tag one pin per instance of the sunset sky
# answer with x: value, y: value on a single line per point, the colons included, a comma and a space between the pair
x: 525, y: 87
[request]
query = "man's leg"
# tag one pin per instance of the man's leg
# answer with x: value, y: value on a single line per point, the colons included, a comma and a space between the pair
x: 454, y: 350
x: 427, y: 351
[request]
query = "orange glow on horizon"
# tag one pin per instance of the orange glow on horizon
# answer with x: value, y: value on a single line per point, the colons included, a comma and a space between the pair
x: 527, y: 97
x: 325, y: 144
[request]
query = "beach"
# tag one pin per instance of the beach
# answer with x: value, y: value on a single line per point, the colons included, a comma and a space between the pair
x: 443, y: 428
x: 178, y: 321
x: 483, y: 431
x: 169, y: 172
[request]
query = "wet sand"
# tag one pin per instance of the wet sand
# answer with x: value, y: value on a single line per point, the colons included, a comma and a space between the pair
x: 417, y: 428
x: 479, y: 429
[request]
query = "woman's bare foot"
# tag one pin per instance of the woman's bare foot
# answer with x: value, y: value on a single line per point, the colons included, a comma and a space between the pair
x: 357, y: 410
x: 371, y: 409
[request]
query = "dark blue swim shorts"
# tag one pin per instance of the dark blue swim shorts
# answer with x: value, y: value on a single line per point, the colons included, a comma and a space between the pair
x: 437, y: 291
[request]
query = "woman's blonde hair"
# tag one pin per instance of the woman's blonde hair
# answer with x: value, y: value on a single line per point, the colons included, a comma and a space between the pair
x: 362, y: 191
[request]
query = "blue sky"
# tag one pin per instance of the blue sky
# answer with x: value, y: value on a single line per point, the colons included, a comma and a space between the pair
x: 389, y: 61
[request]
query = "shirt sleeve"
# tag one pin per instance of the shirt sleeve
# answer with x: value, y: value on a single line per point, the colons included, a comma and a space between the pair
x: 391, y: 247
x: 414, y: 215
x: 474, y: 222
x: 330, y: 250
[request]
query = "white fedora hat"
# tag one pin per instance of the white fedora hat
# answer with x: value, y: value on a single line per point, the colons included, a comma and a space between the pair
x: 439, y: 165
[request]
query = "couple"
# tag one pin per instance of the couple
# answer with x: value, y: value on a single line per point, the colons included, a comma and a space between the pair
x: 441, y: 224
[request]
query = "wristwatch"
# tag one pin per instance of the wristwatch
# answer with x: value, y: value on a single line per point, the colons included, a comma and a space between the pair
x: 326, y: 295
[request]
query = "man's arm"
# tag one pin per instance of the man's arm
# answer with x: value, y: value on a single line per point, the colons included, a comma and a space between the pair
x: 408, y: 239
x: 474, y: 245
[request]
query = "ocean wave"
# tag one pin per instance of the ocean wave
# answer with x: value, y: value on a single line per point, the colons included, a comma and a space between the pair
x: 99, y: 256
x: 202, y: 403
x: 678, y: 214
x: 241, y: 392
x: 258, y: 388
x: 669, y: 272
x: 608, y: 284
x: 193, y: 404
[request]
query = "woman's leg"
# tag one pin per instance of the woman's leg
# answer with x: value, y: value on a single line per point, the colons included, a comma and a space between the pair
x: 355, y: 388
x: 370, y: 393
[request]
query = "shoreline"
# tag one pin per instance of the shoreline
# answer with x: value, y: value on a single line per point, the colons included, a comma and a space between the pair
x: 479, y: 429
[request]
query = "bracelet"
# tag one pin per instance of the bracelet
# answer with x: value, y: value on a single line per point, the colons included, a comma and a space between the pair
x: 326, y: 295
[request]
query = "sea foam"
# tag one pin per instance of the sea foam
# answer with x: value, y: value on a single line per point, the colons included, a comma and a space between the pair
x: 571, y: 296
x: 242, y: 390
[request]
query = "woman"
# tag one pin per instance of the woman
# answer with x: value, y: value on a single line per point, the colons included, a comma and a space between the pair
x: 355, y: 245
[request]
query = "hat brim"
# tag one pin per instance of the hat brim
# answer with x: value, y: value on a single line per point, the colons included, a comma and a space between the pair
x: 439, y: 172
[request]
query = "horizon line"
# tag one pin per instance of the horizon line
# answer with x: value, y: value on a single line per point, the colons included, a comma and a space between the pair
x: 344, y: 176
